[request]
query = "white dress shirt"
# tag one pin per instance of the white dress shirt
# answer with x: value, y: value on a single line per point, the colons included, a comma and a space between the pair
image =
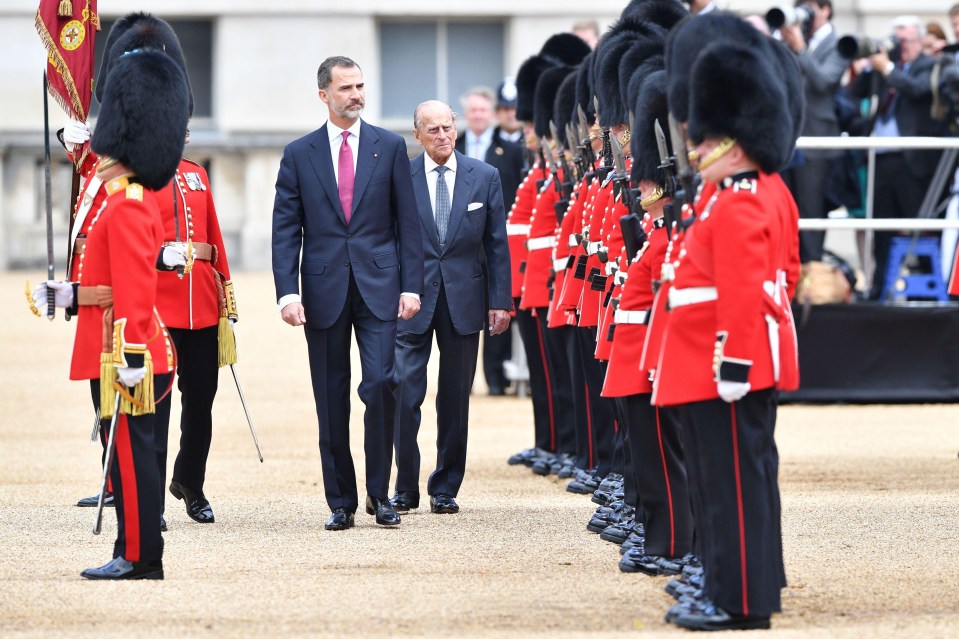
x: 820, y: 35
x: 429, y: 167
x: 478, y: 145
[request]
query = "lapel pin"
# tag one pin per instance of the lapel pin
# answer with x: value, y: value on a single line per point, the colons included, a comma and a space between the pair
x: 376, y: 155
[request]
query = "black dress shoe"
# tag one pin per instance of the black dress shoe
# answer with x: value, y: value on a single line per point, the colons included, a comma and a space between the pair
x: 120, y: 568
x: 341, y: 519
x: 162, y: 524
x: 91, y: 502
x: 197, y: 507
x: 712, y: 617
x: 443, y: 504
x: 405, y: 500
x: 383, y: 510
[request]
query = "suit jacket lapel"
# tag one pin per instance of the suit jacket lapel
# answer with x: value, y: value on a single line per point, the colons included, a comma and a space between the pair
x: 368, y: 154
x: 462, y: 190
x: 423, y: 205
x: 322, y: 161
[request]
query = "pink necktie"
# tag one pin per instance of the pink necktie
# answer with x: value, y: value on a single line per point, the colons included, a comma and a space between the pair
x: 345, y: 186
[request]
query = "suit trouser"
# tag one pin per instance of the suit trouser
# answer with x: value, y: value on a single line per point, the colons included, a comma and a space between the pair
x: 740, y: 510
x: 329, y: 351
x: 601, y: 417
x: 457, y: 368
x: 660, y: 474
x: 197, y: 377
x: 136, y: 485
x: 897, y: 194
x: 808, y: 186
x: 539, y: 388
x: 562, y: 437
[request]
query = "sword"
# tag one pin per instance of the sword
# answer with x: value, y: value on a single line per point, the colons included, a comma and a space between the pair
x: 584, y: 138
x: 94, y: 435
x: 107, y: 464
x: 249, y: 420
x: 665, y: 162
x: 51, y: 307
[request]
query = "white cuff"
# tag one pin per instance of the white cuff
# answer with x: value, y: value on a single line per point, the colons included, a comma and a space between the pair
x: 415, y: 296
x: 283, y: 302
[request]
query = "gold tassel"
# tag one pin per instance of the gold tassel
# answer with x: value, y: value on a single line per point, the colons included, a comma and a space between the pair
x: 226, y: 350
x: 108, y: 375
x: 143, y: 403
x: 66, y: 9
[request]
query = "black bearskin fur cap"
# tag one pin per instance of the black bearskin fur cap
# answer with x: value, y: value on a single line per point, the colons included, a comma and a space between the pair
x: 584, y: 88
x: 546, y: 90
x: 609, y: 55
x: 145, y: 134
x: 649, y: 91
x: 140, y: 30
x: 735, y: 91
x: 564, y: 107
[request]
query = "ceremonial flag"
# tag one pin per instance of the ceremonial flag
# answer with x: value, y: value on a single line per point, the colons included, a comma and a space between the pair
x: 68, y: 30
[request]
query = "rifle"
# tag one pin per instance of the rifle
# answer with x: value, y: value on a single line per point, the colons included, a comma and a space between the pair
x: 685, y: 189
x: 589, y: 157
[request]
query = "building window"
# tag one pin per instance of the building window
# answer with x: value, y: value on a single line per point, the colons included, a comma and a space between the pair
x: 196, y: 39
x: 439, y: 59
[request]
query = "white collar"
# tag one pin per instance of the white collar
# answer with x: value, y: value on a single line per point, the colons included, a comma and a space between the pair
x: 429, y: 164
x: 336, y: 132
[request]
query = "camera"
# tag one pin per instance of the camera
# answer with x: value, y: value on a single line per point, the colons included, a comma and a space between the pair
x: 784, y: 16
x: 853, y: 47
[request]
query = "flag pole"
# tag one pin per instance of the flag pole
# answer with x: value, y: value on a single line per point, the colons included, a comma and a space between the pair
x: 51, y: 308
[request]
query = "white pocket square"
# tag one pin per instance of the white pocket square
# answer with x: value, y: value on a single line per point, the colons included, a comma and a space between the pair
x: 474, y: 205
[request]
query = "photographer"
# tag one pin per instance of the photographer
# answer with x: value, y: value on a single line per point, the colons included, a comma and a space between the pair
x: 813, y: 41
x: 900, y: 78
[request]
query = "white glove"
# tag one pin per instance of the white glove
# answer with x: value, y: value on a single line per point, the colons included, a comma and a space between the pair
x: 732, y: 391
x: 131, y: 376
x: 75, y: 133
x: 174, y: 256
x: 62, y: 298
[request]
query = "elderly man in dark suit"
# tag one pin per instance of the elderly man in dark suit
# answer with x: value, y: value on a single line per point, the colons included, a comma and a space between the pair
x: 822, y: 69
x: 462, y: 217
x: 905, y: 98
x: 345, y: 198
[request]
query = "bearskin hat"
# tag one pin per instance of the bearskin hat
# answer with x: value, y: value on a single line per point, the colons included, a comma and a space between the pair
x: 564, y: 106
x: 564, y: 48
x: 609, y: 55
x: 735, y: 91
x: 561, y: 49
x: 137, y: 31
x: 649, y: 91
x: 546, y: 90
x: 584, y: 88
x: 639, y: 14
x: 639, y: 55
x: 145, y: 134
x: 685, y: 42
x: 790, y: 76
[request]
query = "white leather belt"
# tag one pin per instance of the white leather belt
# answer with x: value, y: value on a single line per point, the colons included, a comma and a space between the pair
x: 572, y: 241
x: 610, y: 268
x: 630, y: 317
x: 620, y: 278
x: 535, y: 243
x: 517, y: 229
x: 592, y: 248
x: 560, y: 264
x: 694, y: 295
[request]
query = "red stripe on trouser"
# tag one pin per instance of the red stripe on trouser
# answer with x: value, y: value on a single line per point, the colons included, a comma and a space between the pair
x: 549, y: 387
x: 669, y: 490
x: 589, y: 425
x: 128, y: 486
x: 739, y: 502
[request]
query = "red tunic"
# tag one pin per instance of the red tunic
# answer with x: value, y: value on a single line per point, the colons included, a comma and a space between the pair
x: 573, y: 287
x: 613, y: 241
x: 624, y: 376
x: 539, y: 259
x: 517, y: 226
x: 588, y: 306
x: 740, y: 247
x: 191, y: 302
x: 561, y: 254
x: 89, y: 200
x: 123, y: 236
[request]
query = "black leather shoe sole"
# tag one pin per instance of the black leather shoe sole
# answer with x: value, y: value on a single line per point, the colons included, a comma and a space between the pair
x: 695, y: 621
x: 91, y: 502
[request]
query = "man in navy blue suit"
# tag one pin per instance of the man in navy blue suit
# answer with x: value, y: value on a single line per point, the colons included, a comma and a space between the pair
x: 461, y: 213
x: 345, y: 198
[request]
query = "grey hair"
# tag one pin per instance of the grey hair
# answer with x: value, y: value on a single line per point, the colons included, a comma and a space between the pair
x: 419, y: 107
x: 910, y: 21
x: 483, y: 92
x: 324, y: 75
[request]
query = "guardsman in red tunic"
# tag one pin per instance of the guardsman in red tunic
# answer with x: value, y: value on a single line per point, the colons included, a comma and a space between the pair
x: 721, y: 360
x: 121, y: 341
x: 560, y: 49
x: 652, y: 433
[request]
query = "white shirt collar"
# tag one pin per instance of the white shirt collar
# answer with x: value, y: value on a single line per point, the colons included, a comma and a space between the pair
x: 336, y: 133
x: 429, y: 165
x: 821, y: 34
